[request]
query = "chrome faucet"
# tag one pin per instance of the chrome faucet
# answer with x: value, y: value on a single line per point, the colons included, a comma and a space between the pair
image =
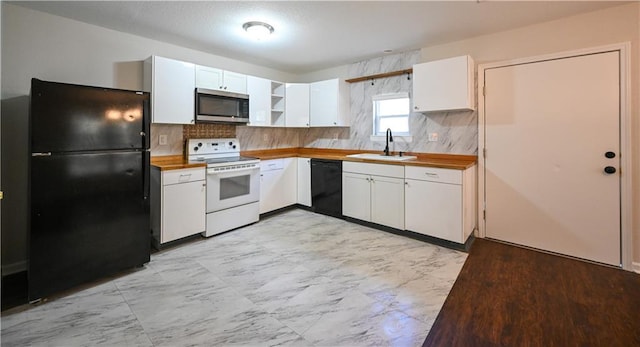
x: 389, y: 139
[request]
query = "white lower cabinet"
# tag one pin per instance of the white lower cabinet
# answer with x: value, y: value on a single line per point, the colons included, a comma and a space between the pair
x: 178, y: 203
x: 374, y: 193
x: 304, y: 181
x: 440, y: 202
x: 278, y: 183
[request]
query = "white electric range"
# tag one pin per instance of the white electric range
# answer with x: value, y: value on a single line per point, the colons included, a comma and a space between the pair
x: 233, y: 183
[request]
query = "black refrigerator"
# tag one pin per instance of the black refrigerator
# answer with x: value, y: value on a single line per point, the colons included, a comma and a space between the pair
x: 88, y: 186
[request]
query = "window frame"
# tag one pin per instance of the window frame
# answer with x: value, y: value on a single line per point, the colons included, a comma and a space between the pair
x: 375, y: 117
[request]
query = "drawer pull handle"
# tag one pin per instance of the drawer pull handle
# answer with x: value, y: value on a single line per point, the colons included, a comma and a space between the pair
x: 431, y: 174
x: 184, y: 177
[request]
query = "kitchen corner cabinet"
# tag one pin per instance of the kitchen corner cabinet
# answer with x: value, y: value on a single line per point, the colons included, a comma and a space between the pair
x: 217, y: 79
x: 304, y: 181
x: 440, y: 202
x: 374, y: 193
x: 329, y: 103
x: 447, y: 84
x: 171, y: 84
x: 296, y: 108
x: 266, y: 102
x: 278, y: 186
x: 178, y: 203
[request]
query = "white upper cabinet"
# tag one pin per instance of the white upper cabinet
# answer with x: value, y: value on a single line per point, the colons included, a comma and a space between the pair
x: 442, y: 85
x: 259, y: 90
x: 209, y: 78
x: 329, y: 103
x: 217, y: 79
x: 266, y: 102
x: 171, y: 84
x: 235, y: 82
x: 297, y: 105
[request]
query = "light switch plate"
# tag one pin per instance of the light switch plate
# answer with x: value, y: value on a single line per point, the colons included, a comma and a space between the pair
x: 162, y: 140
x: 433, y: 137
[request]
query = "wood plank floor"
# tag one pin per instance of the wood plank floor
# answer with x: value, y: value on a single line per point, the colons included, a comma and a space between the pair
x: 510, y: 296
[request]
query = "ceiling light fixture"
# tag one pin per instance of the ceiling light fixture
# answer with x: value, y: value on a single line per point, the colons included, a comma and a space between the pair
x: 258, y: 30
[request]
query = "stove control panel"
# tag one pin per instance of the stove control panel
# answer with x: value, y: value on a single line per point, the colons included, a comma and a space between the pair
x: 212, y: 146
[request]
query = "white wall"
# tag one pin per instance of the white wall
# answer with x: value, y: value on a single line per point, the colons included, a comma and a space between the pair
x: 599, y: 28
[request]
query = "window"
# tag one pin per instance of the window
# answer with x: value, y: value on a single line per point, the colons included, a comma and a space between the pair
x: 391, y: 111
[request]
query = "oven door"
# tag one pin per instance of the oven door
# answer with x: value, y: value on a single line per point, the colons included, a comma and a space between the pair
x: 232, y: 187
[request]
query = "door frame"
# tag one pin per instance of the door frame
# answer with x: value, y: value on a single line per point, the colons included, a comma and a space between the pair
x: 626, y: 198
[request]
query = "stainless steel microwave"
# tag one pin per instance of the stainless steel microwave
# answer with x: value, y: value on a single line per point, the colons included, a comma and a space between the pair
x: 216, y: 106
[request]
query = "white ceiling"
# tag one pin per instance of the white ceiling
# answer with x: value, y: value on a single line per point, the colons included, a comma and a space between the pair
x: 312, y: 35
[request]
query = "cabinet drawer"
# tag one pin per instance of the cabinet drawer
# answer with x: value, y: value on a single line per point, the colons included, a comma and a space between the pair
x: 183, y: 176
x: 374, y: 169
x: 270, y: 165
x: 434, y: 174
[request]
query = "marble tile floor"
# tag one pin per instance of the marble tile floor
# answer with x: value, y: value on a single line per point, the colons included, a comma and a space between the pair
x: 293, y: 279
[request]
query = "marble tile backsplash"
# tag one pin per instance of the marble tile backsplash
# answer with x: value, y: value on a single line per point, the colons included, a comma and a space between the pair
x: 457, y: 130
x: 264, y: 137
x: 174, y: 144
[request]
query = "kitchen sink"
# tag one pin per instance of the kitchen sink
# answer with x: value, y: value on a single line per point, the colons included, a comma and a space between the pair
x: 376, y: 156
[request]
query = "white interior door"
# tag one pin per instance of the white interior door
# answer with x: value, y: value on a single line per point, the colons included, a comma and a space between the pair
x: 548, y: 128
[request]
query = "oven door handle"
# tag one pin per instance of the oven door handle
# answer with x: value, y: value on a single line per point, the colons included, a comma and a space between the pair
x: 213, y: 171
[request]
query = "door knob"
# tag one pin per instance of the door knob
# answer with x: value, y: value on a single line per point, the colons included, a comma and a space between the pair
x: 610, y: 155
x: 610, y: 169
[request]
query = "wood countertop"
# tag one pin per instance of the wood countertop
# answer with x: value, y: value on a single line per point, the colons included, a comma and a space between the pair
x: 173, y: 162
x: 447, y: 161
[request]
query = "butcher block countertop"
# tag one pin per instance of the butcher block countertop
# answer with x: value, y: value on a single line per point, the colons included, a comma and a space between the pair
x: 447, y: 161
x: 173, y: 162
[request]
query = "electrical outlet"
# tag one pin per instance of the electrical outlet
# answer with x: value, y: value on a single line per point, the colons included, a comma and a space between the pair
x: 433, y: 137
x: 336, y: 135
x: 265, y: 137
x: 162, y: 140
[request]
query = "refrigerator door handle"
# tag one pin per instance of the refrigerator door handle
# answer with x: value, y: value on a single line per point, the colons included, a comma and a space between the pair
x: 146, y: 169
x: 41, y: 154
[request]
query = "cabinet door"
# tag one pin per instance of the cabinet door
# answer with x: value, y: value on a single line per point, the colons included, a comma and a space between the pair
x: 287, y: 183
x: 183, y: 210
x: 446, y: 84
x: 259, y: 90
x: 329, y: 103
x: 356, y: 196
x: 434, y: 209
x: 172, y: 91
x: 209, y: 78
x: 387, y: 201
x: 268, y: 190
x: 297, y: 105
x: 278, y: 184
x: 323, y: 103
x: 304, y: 181
x: 234, y: 82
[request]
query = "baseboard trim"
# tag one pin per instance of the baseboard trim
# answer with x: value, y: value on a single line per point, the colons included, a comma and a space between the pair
x: 635, y: 267
x: 11, y: 269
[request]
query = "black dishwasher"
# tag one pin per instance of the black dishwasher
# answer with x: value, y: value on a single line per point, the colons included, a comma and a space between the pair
x: 326, y: 187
